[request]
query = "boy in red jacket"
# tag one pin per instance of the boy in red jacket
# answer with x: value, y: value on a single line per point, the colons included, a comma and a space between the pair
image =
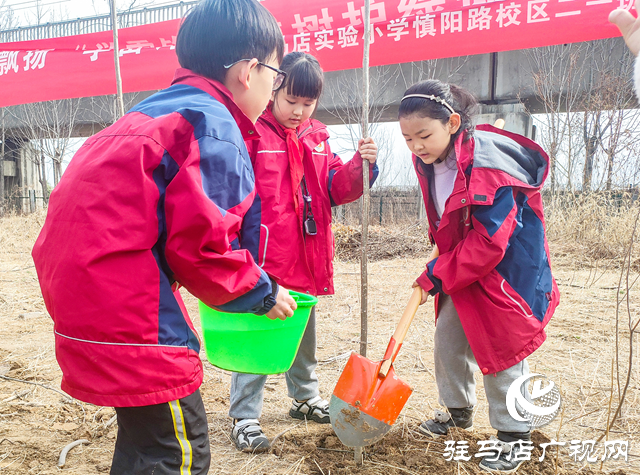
x: 164, y: 197
x: 298, y: 180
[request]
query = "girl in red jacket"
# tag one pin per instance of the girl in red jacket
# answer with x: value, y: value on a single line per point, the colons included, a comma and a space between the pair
x: 298, y: 179
x: 492, y: 280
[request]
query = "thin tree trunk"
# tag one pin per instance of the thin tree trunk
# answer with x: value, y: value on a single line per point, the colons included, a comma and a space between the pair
x: 116, y: 56
x: 43, y: 175
x: 590, y: 138
x: 587, y: 174
x: 609, y: 171
x: 56, y: 173
x: 552, y: 165
x: 2, y: 167
x: 57, y: 168
x: 364, y: 299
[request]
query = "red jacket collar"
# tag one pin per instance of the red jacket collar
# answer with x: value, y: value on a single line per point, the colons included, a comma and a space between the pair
x: 218, y: 91
x: 307, y: 127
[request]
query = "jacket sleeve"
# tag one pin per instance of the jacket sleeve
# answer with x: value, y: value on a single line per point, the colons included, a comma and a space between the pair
x: 345, y: 180
x: 205, y: 206
x: 479, y: 252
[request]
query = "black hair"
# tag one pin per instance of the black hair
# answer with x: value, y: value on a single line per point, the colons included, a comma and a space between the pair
x: 461, y: 100
x: 304, y: 75
x: 216, y: 33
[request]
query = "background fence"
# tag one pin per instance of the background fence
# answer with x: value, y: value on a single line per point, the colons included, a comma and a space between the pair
x: 97, y: 23
x: 391, y: 206
x: 388, y: 206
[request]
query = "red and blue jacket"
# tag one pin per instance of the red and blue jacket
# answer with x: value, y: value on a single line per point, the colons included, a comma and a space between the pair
x: 494, y: 255
x: 294, y: 259
x: 165, y: 196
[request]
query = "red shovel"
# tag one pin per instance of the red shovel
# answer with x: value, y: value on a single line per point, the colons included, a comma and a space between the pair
x: 369, y: 396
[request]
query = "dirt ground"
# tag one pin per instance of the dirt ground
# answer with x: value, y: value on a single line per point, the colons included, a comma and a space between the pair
x: 37, y: 420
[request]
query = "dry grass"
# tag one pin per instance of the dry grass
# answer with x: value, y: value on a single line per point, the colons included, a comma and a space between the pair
x: 36, y: 422
x: 402, y: 240
x: 590, y: 227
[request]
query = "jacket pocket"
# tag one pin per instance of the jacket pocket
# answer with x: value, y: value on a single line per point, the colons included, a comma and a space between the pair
x: 264, y: 244
x: 528, y: 276
x: 513, y: 296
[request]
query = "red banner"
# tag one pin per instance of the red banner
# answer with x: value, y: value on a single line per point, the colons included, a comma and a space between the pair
x: 332, y: 30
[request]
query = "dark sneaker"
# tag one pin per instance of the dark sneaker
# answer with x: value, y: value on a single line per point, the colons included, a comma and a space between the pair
x: 442, y: 421
x: 315, y: 409
x: 507, y: 457
x: 248, y: 436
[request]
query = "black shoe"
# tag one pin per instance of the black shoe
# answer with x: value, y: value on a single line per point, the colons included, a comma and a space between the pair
x: 248, y: 436
x: 315, y: 409
x: 440, y: 424
x: 510, y: 455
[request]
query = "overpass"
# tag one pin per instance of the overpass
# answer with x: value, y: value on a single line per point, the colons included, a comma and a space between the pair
x: 504, y: 83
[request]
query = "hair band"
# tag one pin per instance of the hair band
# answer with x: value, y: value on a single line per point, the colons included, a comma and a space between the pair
x: 431, y: 98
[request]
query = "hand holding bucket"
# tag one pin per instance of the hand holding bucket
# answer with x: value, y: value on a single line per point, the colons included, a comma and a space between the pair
x: 285, y: 305
x: 256, y: 344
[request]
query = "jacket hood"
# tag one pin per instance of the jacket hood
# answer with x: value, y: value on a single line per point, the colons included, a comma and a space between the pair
x: 522, y: 161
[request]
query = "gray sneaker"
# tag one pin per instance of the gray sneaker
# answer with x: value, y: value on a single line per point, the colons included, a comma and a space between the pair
x: 315, y: 409
x: 442, y: 421
x: 509, y: 458
x: 248, y: 436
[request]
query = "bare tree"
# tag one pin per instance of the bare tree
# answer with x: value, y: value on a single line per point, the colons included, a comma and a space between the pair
x: 557, y: 73
x: 7, y: 16
x: 447, y: 70
x: 592, y: 133
x: 611, y: 106
x: 129, y: 6
x: 40, y: 13
x: 627, y: 325
x: 345, y: 91
x: 50, y: 128
x: 589, y: 124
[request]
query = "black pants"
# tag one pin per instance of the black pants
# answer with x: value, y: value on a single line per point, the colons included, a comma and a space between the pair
x: 164, y: 439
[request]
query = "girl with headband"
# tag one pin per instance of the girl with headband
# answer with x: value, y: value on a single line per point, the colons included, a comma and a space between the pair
x: 494, y: 292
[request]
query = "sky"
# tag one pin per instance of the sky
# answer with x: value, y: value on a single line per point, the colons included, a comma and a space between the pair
x: 395, y: 161
x: 26, y: 11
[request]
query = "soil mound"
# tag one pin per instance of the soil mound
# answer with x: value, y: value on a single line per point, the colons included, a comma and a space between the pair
x: 404, y: 451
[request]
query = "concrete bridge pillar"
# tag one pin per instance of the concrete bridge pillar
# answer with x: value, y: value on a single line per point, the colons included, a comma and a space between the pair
x: 21, y: 177
x: 516, y: 118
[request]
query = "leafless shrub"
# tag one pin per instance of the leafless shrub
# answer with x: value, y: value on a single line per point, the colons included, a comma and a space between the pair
x: 384, y: 242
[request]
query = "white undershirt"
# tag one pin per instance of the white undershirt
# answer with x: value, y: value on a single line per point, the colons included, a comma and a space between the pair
x: 444, y: 176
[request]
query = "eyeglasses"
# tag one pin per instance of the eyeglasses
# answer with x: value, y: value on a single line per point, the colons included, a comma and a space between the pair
x: 277, y: 81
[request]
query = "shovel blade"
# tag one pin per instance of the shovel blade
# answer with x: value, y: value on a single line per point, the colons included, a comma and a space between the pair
x: 353, y: 427
x: 364, y: 406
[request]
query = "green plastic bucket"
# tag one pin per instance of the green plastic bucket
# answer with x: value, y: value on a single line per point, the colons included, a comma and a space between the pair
x: 248, y: 343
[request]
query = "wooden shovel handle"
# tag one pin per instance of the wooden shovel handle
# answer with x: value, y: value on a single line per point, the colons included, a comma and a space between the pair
x: 401, y: 331
x: 403, y: 326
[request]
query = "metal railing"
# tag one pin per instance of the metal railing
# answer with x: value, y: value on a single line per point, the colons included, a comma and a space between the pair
x: 97, y: 23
